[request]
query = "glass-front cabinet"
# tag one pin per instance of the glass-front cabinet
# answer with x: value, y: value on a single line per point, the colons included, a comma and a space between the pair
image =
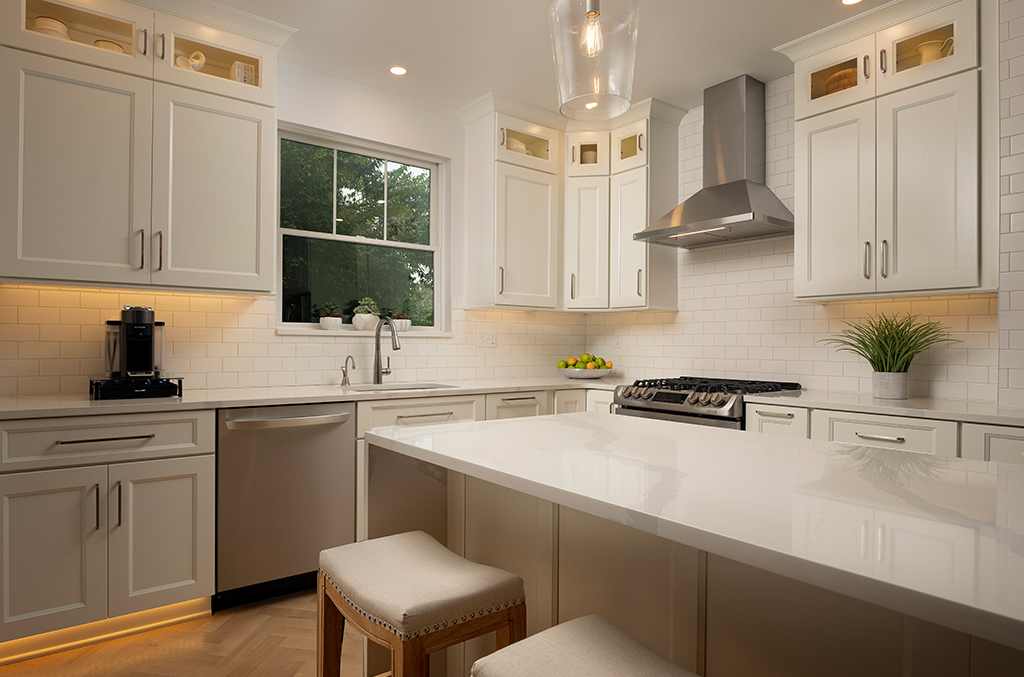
x: 588, y: 154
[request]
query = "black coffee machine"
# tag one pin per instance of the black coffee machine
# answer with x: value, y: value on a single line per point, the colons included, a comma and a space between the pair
x: 134, y: 358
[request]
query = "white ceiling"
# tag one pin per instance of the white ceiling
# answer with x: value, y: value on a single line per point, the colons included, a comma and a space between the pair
x: 458, y: 50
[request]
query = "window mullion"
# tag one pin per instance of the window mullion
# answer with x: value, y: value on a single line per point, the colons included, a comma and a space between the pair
x: 385, y: 200
x: 334, y: 196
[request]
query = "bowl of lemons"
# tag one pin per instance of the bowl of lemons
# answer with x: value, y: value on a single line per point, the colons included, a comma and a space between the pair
x: 585, y: 366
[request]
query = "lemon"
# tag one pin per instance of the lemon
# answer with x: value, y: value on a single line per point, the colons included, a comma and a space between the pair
x: 591, y: 365
x: 571, y: 362
x: 607, y: 365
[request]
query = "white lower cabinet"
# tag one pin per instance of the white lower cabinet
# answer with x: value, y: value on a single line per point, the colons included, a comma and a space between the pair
x: 516, y: 405
x: 600, y: 400
x: 925, y: 436
x: 1003, y: 444
x: 570, y: 401
x: 778, y: 420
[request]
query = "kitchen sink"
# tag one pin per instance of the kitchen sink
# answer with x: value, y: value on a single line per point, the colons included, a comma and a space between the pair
x: 387, y: 387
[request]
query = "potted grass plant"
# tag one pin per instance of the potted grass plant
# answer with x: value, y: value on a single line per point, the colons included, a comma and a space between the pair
x: 890, y: 344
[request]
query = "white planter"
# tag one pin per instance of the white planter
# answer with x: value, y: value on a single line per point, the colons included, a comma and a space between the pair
x: 364, y: 321
x: 887, y: 385
x: 330, y: 323
x: 402, y: 325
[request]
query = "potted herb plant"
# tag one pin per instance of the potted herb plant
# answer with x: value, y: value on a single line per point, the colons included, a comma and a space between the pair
x: 330, y: 315
x: 366, y: 314
x: 890, y: 344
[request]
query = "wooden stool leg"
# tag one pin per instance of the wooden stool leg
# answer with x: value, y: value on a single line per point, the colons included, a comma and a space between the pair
x: 330, y: 631
x: 409, y: 659
x: 515, y: 629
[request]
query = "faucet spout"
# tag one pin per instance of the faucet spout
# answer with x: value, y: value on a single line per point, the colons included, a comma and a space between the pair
x: 380, y: 372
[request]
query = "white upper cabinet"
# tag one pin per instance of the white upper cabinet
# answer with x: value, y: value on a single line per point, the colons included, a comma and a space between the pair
x: 75, y: 188
x: 629, y: 215
x: 526, y: 144
x: 629, y: 147
x: 927, y: 46
x: 526, y: 237
x: 588, y: 154
x: 213, y: 211
x: 111, y: 34
x: 585, y: 243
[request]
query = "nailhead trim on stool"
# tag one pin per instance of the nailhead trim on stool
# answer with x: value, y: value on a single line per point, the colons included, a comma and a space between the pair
x: 584, y: 647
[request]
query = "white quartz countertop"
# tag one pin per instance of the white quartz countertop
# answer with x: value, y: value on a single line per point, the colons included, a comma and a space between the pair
x: 938, y: 538
x: 41, y: 406
x: 965, y: 411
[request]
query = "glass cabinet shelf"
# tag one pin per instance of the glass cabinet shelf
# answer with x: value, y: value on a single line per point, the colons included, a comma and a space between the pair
x: 218, y: 62
x: 71, y: 24
x: 834, y: 79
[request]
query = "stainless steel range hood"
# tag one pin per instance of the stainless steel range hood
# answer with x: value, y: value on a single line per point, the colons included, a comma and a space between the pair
x: 734, y: 203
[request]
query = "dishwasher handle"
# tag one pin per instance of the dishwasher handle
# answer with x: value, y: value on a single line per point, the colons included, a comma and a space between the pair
x: 292, y: 422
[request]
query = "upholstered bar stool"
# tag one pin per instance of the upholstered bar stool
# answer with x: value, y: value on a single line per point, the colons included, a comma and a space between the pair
x: 415, y: 596
x: 584, y: 647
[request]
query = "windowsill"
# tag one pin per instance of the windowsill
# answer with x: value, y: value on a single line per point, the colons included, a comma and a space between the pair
x: 352, y: 333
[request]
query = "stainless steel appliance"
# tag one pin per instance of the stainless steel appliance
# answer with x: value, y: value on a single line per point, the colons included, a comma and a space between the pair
x: 704, y: 401
x: 285, y: 491
x: 134, y: 358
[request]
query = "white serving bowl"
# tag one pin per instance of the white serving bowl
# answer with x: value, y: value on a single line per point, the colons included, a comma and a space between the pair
x: 585, y: 373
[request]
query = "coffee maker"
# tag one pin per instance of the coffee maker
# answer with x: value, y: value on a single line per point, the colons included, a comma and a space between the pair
x: 134, y: 358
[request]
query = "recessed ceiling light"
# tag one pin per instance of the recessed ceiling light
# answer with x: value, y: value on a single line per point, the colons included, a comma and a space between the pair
x: 592, y: 104
x: 398, y: 70
x: 850, y: 2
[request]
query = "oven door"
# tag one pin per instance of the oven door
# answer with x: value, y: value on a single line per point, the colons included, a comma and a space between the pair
x: 734, y: 424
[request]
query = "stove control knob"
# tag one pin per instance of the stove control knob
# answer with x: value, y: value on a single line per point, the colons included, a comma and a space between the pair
x: 648, y: 393
x: 705, y: 398
x: 717, y: 400
x: 692, y: 397
x: 626, y: 391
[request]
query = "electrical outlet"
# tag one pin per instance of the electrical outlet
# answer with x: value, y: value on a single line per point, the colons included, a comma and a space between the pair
x: 486, y: 339
x: 618, y: 340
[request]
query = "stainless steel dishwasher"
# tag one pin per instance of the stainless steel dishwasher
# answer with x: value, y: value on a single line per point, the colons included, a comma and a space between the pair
x: 285, y: 491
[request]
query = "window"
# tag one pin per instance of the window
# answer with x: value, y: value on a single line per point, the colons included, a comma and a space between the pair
x: 357, y: 222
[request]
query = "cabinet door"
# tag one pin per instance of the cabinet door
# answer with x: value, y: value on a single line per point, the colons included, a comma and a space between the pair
x: 600, y: 400
x: 526, y: 144
x: 213, y: 192
x: 776, y: 420
x: 570, y: 401
x: 526, y: 237
x: 835, y: 202
x: 588, y: 154
x: 992, y: 443
x: 629, y: 147
x: 927, y: 227
x: 53, y: 569
x: 161, y: 517
x: 75, y: 180
x: 835, y: 78
x: 124, y: 24
x: 585, y: 243
x: 927, y: 47
x: 516, y: 405
x: 628, y: 274
x: 233, y: 65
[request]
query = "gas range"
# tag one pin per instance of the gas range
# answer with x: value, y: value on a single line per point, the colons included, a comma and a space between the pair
x: 705, y: 401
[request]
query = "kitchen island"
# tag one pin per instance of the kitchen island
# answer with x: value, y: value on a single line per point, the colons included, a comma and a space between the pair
x: 732, y: 553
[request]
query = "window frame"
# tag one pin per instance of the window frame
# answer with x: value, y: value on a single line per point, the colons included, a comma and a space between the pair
x: 440, y: 169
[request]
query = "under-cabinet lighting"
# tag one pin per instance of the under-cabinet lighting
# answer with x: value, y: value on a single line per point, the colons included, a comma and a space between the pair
x: 698, y: 232
x: 398, y: 70
x: 850, y: 2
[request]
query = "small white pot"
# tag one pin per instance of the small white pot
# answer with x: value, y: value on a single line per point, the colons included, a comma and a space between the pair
x: 330, y: 323
x: 364, y: 321
x: 402, y: 325
x: 886, y: 385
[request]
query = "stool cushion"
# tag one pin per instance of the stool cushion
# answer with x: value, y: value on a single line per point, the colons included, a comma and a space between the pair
x: 584, y: 647
x: 411, y: 585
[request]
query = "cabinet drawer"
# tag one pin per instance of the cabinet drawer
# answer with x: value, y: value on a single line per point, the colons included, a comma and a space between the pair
x: 517, y: 405
x: 992, y: 443
x: 419, y: 411
x: 79, y: 440
x: 890, y: 432
x: 778, y: 420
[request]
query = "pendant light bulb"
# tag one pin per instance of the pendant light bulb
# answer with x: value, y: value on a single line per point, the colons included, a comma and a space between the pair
x: 591, y: 40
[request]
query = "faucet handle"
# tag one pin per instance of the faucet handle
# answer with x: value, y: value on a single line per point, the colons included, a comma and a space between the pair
x: 386, y: 370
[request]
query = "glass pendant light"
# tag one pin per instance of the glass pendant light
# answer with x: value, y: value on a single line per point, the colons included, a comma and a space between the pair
x: 594, y: 44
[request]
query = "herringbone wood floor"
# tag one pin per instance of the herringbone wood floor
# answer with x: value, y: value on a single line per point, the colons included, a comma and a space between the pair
x: 276, y: 638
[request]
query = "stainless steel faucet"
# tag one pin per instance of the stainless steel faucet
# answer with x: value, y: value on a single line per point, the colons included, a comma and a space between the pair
x: 378, y: 372
x: 344, y: 371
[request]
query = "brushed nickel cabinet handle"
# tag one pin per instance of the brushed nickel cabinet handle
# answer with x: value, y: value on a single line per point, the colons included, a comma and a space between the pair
x: 142, y: 257
x: 639, y: 282
x: 867, y: 71
x: 401, y: 417
x: 867, y: 260
x: 640, y: 142
x: 145, y: 42
x: 881, y: 438
x: 773, y: 414
x: 572, y: 286
x: 97, y: 506
x: 502, y: 137
x: 572, y: 156
x: 519, y: 399
x: 119, y: 503
x: 125, y: 438
x: 881, y: 61
x: 160, y: 254
x: 501, y: 275
x: 163, y: 46
x: 885, y: 258
x: 289, y: 422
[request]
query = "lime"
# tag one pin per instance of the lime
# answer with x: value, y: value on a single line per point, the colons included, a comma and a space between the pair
x: 562, y: 364
x: 585, y: 357
x: 600, y: 361
x: 580, y: 365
